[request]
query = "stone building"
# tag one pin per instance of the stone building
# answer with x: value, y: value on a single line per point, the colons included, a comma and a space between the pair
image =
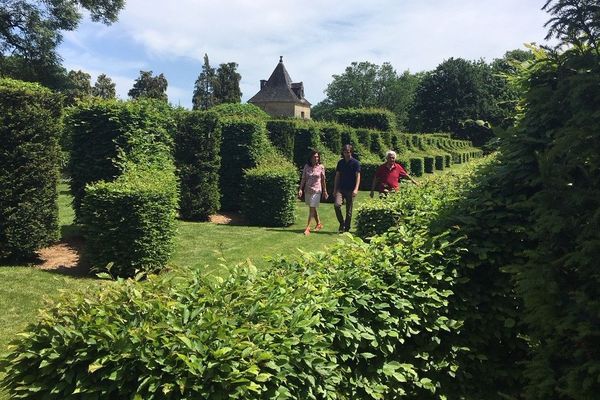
x: 279, y: 97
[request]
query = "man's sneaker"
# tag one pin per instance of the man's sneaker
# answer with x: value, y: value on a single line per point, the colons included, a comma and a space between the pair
x: 341, y: 228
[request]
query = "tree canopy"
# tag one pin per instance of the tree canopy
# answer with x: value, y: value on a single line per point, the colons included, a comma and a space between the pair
x: 104, y: 87
x: 227, y: 84
x: 32, y: 28
x: 149, y: 86
x: 363, y: 85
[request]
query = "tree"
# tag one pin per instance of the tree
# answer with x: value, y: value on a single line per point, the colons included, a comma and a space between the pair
x: 456, y: 91
x: 146, y: 85
x: 364, y: 84
x: 78, y: 86
x: 204, y: 97
x: 48, y: 73
x: 104, y: 87
x: 227, y: 84
x: 31, y: 28
x: 575, y: 22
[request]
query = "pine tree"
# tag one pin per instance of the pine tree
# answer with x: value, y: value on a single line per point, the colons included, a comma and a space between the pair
x: 104, y: 87
x: 227, y: 84
x: 204, y: 97
x: 146, y: 85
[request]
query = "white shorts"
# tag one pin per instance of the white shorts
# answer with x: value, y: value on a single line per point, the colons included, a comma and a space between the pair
x: 312, y: 199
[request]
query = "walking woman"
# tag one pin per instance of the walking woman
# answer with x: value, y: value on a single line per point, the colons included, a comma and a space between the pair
x: 313, y: 187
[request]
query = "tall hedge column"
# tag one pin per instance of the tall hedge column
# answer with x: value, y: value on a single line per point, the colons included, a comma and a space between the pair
x: 29, y: 167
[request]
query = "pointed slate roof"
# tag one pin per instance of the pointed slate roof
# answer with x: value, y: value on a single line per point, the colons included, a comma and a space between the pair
x: 279, y: 88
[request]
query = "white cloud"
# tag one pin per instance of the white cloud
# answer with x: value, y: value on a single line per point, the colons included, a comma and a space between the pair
x: 318, y: 38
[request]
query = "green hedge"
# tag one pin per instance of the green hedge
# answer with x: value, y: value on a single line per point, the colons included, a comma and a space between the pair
x: 331, y: 136
x: 417, y: 166
x: 235, y: 110
x: 282, y: 134
x: 130, y: 221
x: 307, y: 137
x: 198, y: 161
x: 370, y: 118
x: 244, y: 142
x: 269, y: 194
x: 29, y: 167
x: 101, y: 131
x: 439, y: 163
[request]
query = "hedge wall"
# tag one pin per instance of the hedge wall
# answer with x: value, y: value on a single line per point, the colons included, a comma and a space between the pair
x: 269, y: 194
x: 104, y: 131
x: 130, y: 221
x: 29, y: 162
x: 370, y: 118
x: 282, y: 134
x: 198, y: 161
x: 236, y: 110
x: 244, y: 143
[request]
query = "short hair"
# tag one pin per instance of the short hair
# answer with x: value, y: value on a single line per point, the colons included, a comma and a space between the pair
x: 347, y: 147
x: 390, y: 153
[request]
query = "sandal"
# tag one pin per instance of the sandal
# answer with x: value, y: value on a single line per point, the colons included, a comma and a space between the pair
x: 318, y: 227
x: 307, y: 232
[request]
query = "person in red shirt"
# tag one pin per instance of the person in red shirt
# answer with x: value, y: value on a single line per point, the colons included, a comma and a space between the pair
x: 388, y: 175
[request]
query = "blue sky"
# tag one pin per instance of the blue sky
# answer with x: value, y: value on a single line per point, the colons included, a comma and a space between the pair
x: 317, y: 38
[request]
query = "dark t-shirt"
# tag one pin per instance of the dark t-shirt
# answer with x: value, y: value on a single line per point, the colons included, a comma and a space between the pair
x: 347, y: 172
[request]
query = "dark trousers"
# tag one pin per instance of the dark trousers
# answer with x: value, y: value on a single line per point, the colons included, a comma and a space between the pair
x: 337, y: 205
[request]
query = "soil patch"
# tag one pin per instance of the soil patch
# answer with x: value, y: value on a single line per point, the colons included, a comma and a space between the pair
x: 227, y: 219
x: 63, y: 257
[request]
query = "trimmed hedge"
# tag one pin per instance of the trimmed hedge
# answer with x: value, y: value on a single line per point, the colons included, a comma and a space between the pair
x: 244, y: 143
x: 439, y: 163
x: 236, y: 110
x: 269, y: 194
x: 417, y: 166
x: 101, y: 131
x: 369, y: 118
x: 130, y: 222
x: 29, y: 167
x: 307, y: 137
x: 331, y: 136
x: 282, y: 134
x: 198, y: 161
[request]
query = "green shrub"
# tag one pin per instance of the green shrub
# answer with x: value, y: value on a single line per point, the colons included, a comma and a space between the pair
x: 364, y: 137
x: 416, y: 166
x: 364, y: 320
x: 428, y: 164
x: 130, y: 221
x: 282, y: 134
x: 29, y: 161
x: 307, y: 137
x: 269, y: 194
x: 439, y: 163
x: 331, y: 136
x: 198, y: 161
x: 244, y: 142
x: 236, y: 110
x: 102, y: 130
x: 369, y: 118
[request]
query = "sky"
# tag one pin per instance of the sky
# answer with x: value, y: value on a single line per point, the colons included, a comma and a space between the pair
x: 317, y: 38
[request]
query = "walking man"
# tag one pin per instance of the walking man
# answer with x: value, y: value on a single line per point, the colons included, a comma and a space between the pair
x: 345, y: 187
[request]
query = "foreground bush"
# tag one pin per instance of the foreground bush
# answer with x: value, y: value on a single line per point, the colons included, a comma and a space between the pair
x: 130, y: 222
x: 29, y: 162
x: 362, y: 321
